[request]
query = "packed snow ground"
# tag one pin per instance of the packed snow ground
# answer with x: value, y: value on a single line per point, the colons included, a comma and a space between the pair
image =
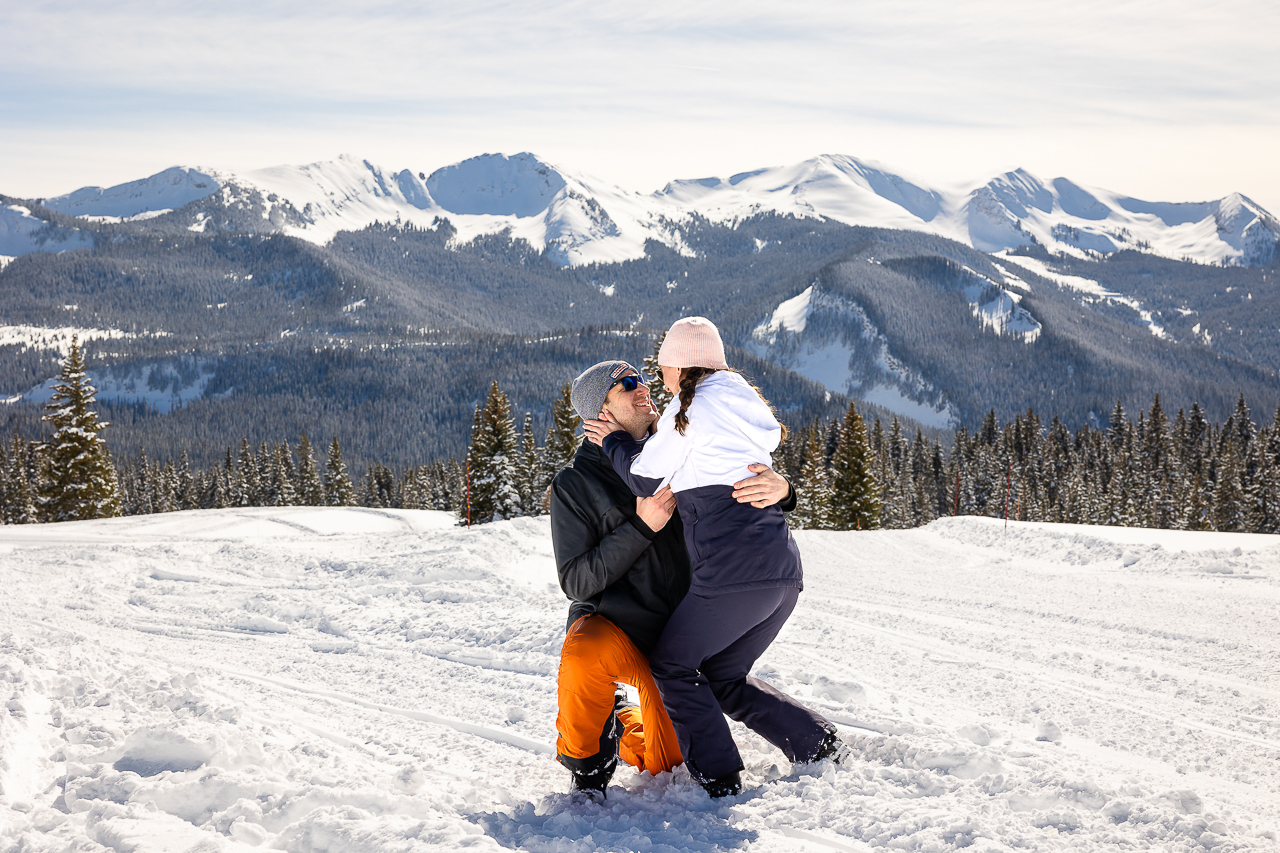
x: 356, y: 680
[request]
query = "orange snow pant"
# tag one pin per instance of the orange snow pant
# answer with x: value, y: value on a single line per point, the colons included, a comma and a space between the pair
x: 596, y: 655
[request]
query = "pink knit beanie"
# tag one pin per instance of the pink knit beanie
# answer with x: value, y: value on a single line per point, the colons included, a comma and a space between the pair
x: 692, y: 342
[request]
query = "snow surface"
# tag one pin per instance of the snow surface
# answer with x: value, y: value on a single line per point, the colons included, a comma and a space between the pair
x: 355, y: 679
x: 852, y: 357
x: 21, y: 233
x: 158, y: 385
x: 578, y: 219
x: 1084, y: 285
x: 56, y: 338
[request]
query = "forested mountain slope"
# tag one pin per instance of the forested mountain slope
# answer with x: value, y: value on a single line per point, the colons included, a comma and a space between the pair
x: 388, y: 335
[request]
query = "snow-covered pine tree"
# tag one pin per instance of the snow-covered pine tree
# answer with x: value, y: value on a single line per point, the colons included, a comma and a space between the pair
x: 79, y: 481
x: 282, y: 492
x: 421, y: 480
x: 855, y: 495
x: 938, y: 461
x: 813, y: 511
x: 1159, y: 478
x: 1228, y: 493
x: 1118, y: 426
x: 561, y: 443
x: 653, y: 376
x: 188, y: 496
x: 1123, y: 490
x: 1246, y: 429
x: 310, y: 488
x: 528, y: 469
x: 21, y: 506
x: 444, y: 476
x: 922, y: 483
x: 250, y: 487
x: 214, y: 494
x: 1262, y: 497
x: 492, y: 457
x: 266, y: 471
x: 370, y: 495
x: 337, y: 482
x: 166, y: 494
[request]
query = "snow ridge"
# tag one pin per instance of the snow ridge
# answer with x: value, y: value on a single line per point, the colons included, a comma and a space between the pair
x: 577, y: 219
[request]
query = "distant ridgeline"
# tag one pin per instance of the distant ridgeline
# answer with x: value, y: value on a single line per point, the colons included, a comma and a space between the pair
x: 388, y: 337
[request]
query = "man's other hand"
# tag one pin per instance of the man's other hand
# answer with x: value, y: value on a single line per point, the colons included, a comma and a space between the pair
x: 656, y: 511
x: 766, y: 488
x: 596, y: 430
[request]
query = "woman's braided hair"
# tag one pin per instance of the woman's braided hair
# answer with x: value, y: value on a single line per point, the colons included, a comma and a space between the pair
x: 689, y: 379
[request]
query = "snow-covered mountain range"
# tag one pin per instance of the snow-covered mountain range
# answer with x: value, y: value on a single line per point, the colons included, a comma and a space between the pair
x: 578, y: 219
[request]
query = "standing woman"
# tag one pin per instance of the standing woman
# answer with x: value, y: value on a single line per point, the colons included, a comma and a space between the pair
x: 746, y: 568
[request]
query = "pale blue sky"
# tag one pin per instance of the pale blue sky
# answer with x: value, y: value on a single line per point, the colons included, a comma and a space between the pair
x: 1169, y: 100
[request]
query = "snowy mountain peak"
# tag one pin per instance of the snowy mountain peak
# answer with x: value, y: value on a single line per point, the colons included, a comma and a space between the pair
x: 496, y: 185
x: 167, y: 190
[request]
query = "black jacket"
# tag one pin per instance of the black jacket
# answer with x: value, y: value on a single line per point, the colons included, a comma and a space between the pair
x: 609, y: 561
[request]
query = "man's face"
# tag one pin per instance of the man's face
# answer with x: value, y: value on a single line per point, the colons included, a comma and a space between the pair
x: 632, y: 409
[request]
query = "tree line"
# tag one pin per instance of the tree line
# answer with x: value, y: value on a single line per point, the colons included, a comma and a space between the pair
x: 1184, y: 472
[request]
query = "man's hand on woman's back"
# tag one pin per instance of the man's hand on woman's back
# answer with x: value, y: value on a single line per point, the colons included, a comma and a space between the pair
x: 766, y: 488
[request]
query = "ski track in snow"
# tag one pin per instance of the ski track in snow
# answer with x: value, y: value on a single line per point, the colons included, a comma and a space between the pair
x: 352, y: 680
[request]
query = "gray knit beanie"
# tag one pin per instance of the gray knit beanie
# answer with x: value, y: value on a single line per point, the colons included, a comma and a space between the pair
x: 590, y: 389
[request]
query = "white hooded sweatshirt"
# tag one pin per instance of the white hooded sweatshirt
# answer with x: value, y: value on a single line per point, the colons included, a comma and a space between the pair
x: 730, y: 427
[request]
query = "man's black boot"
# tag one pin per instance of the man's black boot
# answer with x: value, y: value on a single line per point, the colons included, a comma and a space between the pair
x: 729, y: 785
x: 591, y: 786
x: 832, y: 747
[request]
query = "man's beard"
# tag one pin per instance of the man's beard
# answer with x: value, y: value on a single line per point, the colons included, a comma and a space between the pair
x: 636, y: 421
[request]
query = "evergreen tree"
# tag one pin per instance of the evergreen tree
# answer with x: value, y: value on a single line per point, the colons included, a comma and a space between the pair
x: 247, y: 477
x: 266, y: 474
x: 1262, y: 497
x: 1159, y: 477
x: 337, y: 483
x: 79, y: 477
x: 310, y: 488
x: 166, y: 495
x: 855, y: 495
x: 528, y: 470
x: 188, y: 496
x: 1118, y: 426
x: 561, y: 443
x: 813, y: 511
x: 1229, y: 513
x: 20, y: 506
x: 281, y: 491
x: 653, y: 374
x: 444, y: 479
x: 491, y: 458
x: 214, y: 494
